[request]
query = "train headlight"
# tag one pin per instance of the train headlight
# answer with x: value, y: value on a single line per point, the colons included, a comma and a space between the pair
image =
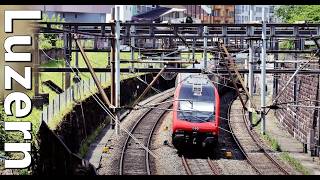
x: 179, y: 131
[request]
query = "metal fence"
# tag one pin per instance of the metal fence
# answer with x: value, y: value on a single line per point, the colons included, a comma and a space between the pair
x: 74, y: 93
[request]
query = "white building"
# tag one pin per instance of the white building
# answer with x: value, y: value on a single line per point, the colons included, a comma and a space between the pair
x: 127, y: 11
x: 242, y: 13
x: 76, y: 13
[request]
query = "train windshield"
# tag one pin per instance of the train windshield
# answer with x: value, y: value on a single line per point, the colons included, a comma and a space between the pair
x: 194, y: 107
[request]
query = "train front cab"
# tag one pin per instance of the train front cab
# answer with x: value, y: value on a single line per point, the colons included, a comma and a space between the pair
x: 200, y: 126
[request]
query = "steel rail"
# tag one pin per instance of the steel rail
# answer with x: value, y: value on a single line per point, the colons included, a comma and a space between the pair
x: 186, y: 165
x: 254, y: 137
x: 141, y: 118
x: 149, y: 143
x: 238, y: 143
x: 212, y: 167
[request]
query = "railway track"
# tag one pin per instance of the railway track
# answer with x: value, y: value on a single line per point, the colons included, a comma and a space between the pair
x: 200, y: 166
x: 251, y: 147
x: 134, y: 159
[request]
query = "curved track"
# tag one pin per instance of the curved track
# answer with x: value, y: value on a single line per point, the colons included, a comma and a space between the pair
x: 134, y: 159
x: 256, y: 154
x: 255, y: 137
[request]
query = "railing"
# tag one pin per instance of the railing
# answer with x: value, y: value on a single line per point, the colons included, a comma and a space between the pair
x: 75, y: 93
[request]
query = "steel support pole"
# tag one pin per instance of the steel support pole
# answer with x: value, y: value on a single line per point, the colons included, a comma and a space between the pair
x: 251, y: 55
x: 149, y: 86
x: 117, y: 69
x: 112, y: 86
x: 77, y: 54
x: 205, y: 39
x: 263, y: 83
x: 132, y: 32
x: 246, y: 62
x: 93, y: 74
x: 36, y: 65
x: 67, y: 37
x: 193, y: 50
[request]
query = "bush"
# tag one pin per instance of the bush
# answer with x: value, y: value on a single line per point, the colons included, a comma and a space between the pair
x: 45, y: 45
x: 51, y: 40
x: 288, y: 44
x: 59, y: 43
x: 3, y: 135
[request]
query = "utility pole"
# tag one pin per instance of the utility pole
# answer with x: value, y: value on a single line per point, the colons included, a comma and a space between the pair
x: 112, y: 87
x: 251, y: 55
x: 36, y: 65
x: 263, y: 73
x: 205, y: 40
x: 193, y: 50
x: 132, y: 32
x: 117, y: 69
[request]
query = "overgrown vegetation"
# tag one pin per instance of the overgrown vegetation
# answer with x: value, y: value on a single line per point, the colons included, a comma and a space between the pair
x: 272, y: 142
x: 294, y: 13
x: 13, y: 137
x: 2, y: 132
x: 286, y: 44
x: 51, y: 40
x: 274, y: 145
x: 294, y: 163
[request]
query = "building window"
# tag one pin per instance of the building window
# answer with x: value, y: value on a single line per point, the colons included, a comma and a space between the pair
x: 216, y: 12
x: 259, y: 9
x: 177, y: 14
x: 271, y: 9
x: 242, y: 8
x: 231, y: 14
x: 76, y: 15
x: 63, y: 15
x: 258, y: 18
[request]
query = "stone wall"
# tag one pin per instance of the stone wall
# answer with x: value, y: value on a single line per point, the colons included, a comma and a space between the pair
x: 300, y: 119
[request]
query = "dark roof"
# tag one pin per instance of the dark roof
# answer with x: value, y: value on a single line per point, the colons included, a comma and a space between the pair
x: 151, y: 15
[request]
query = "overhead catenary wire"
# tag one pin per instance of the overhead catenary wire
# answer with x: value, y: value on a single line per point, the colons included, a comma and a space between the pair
x: 103, y: 106
x: 113, y: 117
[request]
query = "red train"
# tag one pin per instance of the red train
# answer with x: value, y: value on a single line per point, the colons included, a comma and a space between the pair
x: 196, y: 111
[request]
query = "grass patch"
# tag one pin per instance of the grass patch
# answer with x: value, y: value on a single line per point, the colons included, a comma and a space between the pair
x: 294, y: 163
x: 271, y: 142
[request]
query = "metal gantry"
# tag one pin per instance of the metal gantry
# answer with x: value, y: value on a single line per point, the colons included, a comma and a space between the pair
x: 157, y: 42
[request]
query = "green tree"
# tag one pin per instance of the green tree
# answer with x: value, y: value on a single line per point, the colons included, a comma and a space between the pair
x: 294, y: 13
x: 50, y: 40
x: 2, y: 132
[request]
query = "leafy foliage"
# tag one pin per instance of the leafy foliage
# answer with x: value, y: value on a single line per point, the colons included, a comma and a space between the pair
x: 297, y: 13
x: 294, y: 163
x: 287, y: 44
x: 294, y: 13
x: 50, y: 40
x: 3, y: 136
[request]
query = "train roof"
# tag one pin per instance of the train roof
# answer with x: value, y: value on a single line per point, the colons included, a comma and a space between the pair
x: 192, y: 79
